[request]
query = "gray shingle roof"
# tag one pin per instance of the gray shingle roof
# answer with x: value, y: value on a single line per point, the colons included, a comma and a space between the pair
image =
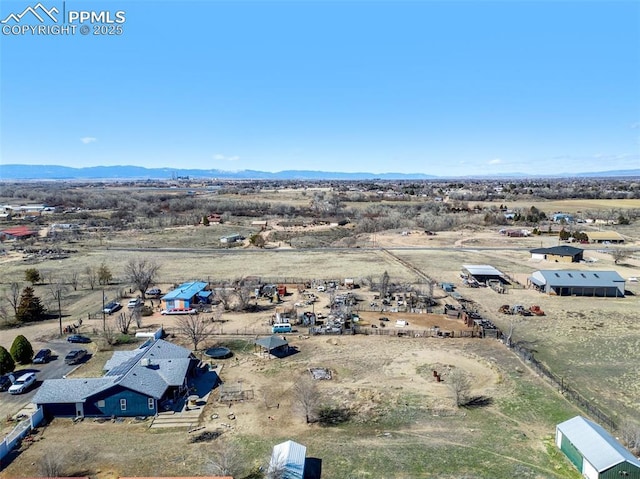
x: 70, y: 390
x: 168, y: 365
x: 596, y: 444
x: 153, y: 380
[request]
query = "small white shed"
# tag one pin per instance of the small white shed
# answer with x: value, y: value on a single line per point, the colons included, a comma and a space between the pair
x: 287, y: 460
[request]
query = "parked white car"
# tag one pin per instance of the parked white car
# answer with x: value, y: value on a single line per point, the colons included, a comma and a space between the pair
x: 23, y: 383
x: 134, y: 303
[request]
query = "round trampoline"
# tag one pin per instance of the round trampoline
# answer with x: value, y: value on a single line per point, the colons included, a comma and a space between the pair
x: 218, y: 353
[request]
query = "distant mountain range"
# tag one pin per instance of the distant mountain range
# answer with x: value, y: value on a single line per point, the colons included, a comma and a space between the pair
x: 127, y: 172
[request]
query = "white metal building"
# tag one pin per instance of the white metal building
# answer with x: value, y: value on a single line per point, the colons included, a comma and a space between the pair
x: 595, y: 453
x: 288, y: 460
x: 579, y: 283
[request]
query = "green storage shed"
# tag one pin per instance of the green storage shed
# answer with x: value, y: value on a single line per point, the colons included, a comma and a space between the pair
x: 594, y: 452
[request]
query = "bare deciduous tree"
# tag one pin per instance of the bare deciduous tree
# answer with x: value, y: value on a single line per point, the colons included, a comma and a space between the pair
x: 124, y: 320
x: 92, y: 276
x: 509, y: 337
x: 4, y: 314
x: 305, y: 398
x: 47, y: 276
x: 243, y: 296
x: 196, y: 329
x: 51, y: 463
x: 224, y: 295
x: 104, y: 274
x: 384, y: 284
x: 74, y: 280
x: 142, y: 273
x: 277, y: 468
x: 216, y: 313
x: 227, y: 458
x: 630, y: 436
x: 13, y: 296
x: 109, y: 334
x: 459, y: 384
x: 620, y: 254
x: 369, y: 281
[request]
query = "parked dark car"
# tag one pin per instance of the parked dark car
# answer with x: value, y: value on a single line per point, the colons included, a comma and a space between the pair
x: 78, y: 338
x: 153, y: 292
x: 75, y: 356
x: 42, y: 356
x: 5, y: 383
x: 112, y: 307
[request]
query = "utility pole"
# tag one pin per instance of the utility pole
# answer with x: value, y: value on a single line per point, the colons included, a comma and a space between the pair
x: 104, y: 318
x: 59, y: 311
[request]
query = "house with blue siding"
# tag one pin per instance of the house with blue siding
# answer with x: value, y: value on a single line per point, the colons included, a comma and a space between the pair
x: 136, y: 383
x: 187, y: 295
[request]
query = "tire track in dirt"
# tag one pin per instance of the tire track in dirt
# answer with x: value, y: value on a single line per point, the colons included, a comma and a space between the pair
x: 487, y: 451
x: 408, y: 265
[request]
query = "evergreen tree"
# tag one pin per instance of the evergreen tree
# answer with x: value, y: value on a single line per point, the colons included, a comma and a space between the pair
x: 21, y: 350
x: 257, y: 240
x: 32, y: 275
x: 6, y: 361
x: 30, y: 307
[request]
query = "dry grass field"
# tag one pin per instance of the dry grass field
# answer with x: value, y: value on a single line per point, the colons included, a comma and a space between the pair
x: 593, y: 343
x: 402, y: 423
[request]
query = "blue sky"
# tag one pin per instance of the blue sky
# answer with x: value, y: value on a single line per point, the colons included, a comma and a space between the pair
x: 443, y: 88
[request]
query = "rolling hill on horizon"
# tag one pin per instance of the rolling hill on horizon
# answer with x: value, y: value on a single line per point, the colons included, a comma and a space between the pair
x: 129, y: 172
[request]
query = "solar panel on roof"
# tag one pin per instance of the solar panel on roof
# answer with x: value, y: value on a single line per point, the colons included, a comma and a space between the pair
x: 122, y: 369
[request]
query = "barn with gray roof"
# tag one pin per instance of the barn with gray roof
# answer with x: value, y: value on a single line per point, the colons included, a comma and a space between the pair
x: 563, y: 253
x: 568, y: 282
x: 595, y: 453
x: 136, y: 383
